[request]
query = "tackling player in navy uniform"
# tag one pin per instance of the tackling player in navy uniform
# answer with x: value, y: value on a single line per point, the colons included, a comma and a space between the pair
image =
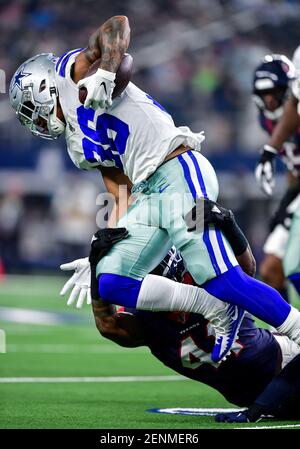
x: 271, y: 83
x: 254, y: 374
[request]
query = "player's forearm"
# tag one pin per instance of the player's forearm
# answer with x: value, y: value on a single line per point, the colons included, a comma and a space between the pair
x: 247, y: 262
x: 109, y: 43
x: 119, y: 209
x: 119, y: 186
x: 287, y: 125
x: 102, y: 309
x: 123, y: 329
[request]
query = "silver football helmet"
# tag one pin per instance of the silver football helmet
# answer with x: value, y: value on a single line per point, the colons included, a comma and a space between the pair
x: 33, y: 95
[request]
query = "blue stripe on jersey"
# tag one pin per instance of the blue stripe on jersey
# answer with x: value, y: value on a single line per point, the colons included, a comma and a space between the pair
x: 199, y: 174
x: 210, y: 250
x: 222, y: 248
x: 187, y: 176
x: 156, y: 103
x: 189, y: 181
x: 217, y: 231
x: 63, y: 64
x: 206, y: 238
x: 59, y: 61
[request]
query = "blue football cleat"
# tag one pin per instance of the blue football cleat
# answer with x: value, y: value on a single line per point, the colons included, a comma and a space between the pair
x: 226, y: 324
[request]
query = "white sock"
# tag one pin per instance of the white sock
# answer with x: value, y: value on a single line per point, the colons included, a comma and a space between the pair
x: 158, y: 293
x: 291, y: 326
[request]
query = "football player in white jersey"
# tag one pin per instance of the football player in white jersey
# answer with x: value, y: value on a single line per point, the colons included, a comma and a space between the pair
x: 134, y: 134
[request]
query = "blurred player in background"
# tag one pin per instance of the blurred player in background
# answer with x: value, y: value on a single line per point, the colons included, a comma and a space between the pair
x: 284, y: 142
x: 136, y: 137
x: 271, y: 88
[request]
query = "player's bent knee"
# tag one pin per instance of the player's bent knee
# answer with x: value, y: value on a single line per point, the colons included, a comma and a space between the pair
x: 118, y: 289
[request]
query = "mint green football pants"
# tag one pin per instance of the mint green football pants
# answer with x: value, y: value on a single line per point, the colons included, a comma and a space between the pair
x: 155, y: 222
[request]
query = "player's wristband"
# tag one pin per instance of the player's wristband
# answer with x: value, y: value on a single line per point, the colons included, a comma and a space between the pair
x: 111, y: 76
x: 94, y: 283
x: 270, y: 149
x: 235, y: 237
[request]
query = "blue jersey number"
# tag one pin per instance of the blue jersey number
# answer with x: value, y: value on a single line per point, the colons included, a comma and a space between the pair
x: 106, y: 140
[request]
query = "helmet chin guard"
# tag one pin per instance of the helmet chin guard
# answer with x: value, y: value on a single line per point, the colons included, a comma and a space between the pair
x: 272, y: 115
x: 57, y: 127
x: 33, y: 95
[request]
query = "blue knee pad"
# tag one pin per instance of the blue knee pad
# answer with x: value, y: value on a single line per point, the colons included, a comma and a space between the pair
x: 236, y: 287
x: 295, y: 280
x: 120, y: 290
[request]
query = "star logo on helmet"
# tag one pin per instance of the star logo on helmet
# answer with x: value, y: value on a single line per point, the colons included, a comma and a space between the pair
x: 19, y: 77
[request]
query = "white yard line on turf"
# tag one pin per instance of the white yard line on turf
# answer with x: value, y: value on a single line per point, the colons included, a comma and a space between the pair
x: 43, y: 317
x: 91, y: 379
x: 30, y: 316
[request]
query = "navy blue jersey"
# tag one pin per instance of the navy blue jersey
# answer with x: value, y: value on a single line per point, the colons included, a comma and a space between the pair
x: 184, y: 343
x: 290, y: 152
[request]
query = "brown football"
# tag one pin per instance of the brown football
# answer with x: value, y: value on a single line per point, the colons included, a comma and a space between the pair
x: 123, y: 76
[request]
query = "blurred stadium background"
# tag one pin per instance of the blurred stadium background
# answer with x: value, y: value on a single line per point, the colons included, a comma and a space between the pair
x: 196, y: 57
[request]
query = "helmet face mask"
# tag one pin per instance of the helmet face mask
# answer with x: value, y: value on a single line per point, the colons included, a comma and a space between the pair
x: 33, y: 115
x: 33, y: 95
x: 272, y: 77
x: 278, y: 94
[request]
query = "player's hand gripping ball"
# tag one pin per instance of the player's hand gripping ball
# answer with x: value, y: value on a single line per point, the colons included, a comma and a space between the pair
x: 100, y: 87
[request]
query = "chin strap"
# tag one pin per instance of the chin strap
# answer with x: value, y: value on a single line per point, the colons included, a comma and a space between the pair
x: 274, y: 115
x: 57, y: 127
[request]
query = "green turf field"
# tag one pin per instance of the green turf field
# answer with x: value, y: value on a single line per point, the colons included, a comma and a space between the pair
x: 65, y: 344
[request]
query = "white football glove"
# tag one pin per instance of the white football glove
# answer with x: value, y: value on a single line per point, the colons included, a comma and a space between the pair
x: 265, y: 169
x: 99, y: 88
x: 80, y: 282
